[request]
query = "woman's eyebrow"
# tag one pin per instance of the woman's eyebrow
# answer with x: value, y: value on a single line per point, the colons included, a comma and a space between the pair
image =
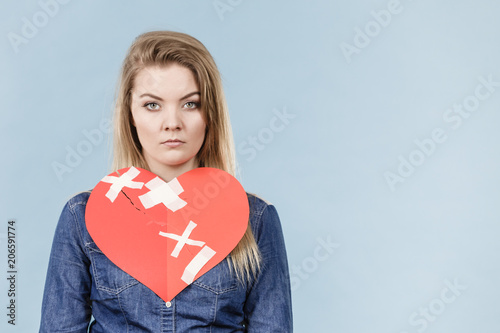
x: 161, y: 99
x: 191, y: 94
x: 152, y: 96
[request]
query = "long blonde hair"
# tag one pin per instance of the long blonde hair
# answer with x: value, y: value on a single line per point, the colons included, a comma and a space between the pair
x: 159, y: 48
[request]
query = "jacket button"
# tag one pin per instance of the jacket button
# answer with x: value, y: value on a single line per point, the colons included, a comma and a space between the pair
x: 168, y: 304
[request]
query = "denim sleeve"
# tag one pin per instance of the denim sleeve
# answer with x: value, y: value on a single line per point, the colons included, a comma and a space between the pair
x: 66, y: 303
x: 269, y: 306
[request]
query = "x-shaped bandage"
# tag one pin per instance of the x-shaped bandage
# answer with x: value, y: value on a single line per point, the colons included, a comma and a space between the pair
x: 118, y: 183
x: 199, y: 260
x: 163, y: 193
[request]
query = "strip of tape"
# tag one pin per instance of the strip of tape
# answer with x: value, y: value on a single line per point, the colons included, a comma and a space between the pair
x: 183, y: 240
x: 197, y: 264
x: 163, y: 193
x: 118, y: 183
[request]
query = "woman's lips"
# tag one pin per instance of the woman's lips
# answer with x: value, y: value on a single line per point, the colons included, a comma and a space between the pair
x: 173, y: 143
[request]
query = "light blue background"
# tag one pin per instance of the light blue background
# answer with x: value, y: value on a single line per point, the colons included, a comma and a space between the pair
x: 324, y: 170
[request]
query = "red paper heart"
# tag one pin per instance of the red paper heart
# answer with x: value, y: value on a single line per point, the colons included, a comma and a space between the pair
x: 167, y: 235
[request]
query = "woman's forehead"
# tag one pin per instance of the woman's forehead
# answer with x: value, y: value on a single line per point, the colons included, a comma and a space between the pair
x: 167, y: 81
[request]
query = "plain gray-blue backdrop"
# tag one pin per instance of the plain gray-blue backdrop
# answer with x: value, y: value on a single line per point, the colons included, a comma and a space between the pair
x: 372, y: 125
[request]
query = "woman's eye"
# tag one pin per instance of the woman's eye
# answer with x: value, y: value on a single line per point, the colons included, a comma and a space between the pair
x: 192, y: 105
x: 152, y: 106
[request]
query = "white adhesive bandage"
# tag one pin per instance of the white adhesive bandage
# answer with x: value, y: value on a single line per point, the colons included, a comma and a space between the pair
x: 183, y: 239
x: 197, y: 264
x: 118, y: 183
x: 165, y: 193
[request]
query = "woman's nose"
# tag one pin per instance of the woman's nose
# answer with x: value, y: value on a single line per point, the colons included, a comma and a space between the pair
x: 171, y: 118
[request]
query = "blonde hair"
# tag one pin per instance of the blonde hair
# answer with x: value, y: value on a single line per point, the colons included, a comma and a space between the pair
x: 160, y: 48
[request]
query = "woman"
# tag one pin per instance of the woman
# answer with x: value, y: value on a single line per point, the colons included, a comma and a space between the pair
x: 170, y: 118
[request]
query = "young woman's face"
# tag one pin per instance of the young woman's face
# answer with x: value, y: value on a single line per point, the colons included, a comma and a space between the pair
x: 168, y: 118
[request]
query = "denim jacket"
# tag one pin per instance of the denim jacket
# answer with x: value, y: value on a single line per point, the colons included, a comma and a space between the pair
x: 85, y: 291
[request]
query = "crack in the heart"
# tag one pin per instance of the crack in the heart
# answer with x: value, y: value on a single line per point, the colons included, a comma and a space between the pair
x: 161, y: 223
x: 133, y: 203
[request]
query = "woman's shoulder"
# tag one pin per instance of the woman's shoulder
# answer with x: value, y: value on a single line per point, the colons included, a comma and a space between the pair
x: 262, y: 212
x: 78, y: 199
x: 264, y: 220
x: 72, y: 219
x: 257, y: 203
